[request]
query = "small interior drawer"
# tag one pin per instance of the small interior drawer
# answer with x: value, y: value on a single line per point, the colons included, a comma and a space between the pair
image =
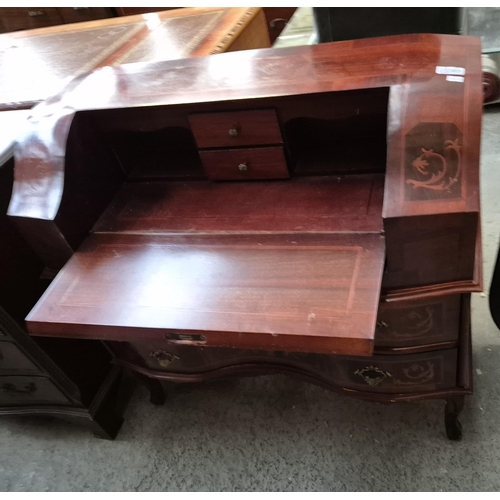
x: 236, y: 128
x: 418, y: 322
x: 245, y: 164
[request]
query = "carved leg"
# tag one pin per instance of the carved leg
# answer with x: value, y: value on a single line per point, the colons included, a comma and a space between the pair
x: 453, y: 408
x: 156, y: 392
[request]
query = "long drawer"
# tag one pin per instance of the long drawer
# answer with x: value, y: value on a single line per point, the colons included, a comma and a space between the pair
x: 408, y: 373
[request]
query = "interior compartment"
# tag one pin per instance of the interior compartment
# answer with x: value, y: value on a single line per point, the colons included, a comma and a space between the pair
x: 323, y: 134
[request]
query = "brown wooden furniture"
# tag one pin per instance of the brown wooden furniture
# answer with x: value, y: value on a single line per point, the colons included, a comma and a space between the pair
x: 311, y: 211
x: 38, y: 63
x: 70, y: 379
x: 276, y: 17
x: 25, y: 18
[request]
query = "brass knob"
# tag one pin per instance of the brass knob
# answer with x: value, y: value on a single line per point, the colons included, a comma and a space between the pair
x: 243, y: 167
x: 36, y: 13
x: 233, y: 132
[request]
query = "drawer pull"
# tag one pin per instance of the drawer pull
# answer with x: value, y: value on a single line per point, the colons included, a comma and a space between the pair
x: 36, y: 13
x: 234, y: 131
x: 11, y: 388
x: 243, y: 167
x: 373, y: 375
x: 382, y: 324
x: 164, y: 358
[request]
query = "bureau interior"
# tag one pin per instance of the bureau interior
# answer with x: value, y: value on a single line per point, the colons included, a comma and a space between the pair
x: 311, y: 162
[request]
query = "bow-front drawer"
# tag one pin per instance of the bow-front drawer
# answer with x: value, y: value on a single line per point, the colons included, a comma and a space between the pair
x: 418, y: 322
x: 236, y: 128
x: 391, y: 374
x: 245, y: 164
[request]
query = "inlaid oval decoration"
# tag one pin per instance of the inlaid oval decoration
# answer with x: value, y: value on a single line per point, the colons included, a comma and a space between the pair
x: 433, y: 162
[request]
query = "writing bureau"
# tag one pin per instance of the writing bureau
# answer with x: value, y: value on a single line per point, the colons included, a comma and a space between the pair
x: 312, y: 211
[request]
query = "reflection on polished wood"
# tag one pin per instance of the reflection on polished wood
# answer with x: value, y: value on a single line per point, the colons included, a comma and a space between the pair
x: 37, y: 63
x: 375, y: 193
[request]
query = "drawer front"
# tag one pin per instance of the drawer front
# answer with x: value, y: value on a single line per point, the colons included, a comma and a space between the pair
x: 236, y: 128
x: 245, y: 164
x: 392, y: 374
x: 422, y: 372
x: 12, y: 358
x: 418, y: 322
x: 16, y: 390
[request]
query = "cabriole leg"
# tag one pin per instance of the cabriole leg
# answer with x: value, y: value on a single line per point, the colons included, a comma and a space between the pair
x: 452, y: 410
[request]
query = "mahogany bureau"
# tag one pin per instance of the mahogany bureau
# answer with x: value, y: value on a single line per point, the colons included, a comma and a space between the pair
x: 311, y: 211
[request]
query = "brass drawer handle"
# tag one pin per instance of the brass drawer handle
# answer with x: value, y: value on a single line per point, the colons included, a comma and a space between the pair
x: 164, y: 358
x: 234, y: 131
x: 36, y: 13
x: 373, y: 375
x: 11, y: 388
x: 243, y: 167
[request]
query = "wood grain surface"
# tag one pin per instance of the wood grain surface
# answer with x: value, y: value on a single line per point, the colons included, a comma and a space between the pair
x: 302, y: 292
x: 37, y: 63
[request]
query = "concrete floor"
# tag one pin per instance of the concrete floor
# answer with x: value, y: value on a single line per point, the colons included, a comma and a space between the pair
x: 278, y: 434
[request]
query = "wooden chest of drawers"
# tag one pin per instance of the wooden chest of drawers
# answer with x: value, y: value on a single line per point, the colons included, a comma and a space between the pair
x: 73, y: 380
x: 318, y: 217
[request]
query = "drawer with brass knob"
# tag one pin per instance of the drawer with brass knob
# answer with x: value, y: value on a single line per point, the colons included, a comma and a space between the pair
x: 418, y: 322
x: 245, y: 164
x: 236, y: 128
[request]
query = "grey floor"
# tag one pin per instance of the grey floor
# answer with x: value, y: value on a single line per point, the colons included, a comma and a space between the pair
x: 274, y: 433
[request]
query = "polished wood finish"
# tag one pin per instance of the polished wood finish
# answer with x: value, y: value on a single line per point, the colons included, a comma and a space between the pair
x: 430, y: 371
x: 319, y: 204
x: 245, y: 164
x: 235, y: 128
x: 171, y: 34
x: 305, y: 293
x: 25, y: 18
x: 418, y: 322
x: 354, y: 272
x: 430, y: 230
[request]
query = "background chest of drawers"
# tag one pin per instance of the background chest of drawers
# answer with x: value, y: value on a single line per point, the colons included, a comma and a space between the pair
x: 314, y: 217
x: 69, y: 379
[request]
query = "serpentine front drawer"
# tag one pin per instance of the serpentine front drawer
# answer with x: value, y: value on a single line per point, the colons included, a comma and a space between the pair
x: 405, y: 373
